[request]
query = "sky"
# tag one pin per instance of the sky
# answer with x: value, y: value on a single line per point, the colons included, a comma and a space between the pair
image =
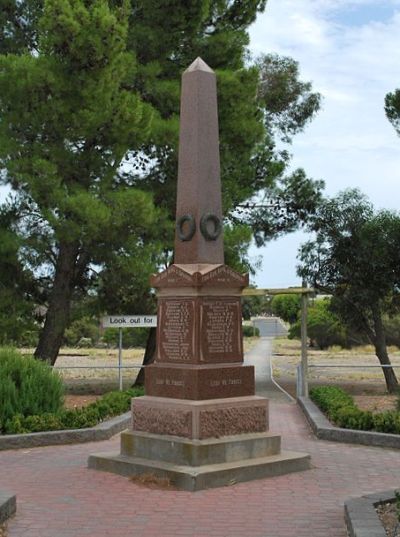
x: 350, y: 51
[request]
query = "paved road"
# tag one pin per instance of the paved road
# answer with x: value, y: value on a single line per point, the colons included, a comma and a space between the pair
x: 260, y: 357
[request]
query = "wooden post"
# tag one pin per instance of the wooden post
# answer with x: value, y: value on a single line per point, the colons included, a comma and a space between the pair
x: 304, y: 356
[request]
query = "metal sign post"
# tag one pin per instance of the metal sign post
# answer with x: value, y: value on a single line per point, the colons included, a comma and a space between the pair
x: 126, y: 321
x: 304, y: 355
x: 120, y: 360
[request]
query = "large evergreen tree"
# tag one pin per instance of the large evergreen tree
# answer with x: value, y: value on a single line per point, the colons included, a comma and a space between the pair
x: 90, y: 84
x: 66, y: 123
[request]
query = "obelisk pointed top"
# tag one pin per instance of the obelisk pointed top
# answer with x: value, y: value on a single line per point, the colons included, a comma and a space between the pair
x: 199, y: 65
x: 198, y: 236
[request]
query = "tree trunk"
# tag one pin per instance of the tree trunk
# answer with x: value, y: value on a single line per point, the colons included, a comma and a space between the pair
x: 392, y: 383
x: 149, y: 356
x: 57, y: 315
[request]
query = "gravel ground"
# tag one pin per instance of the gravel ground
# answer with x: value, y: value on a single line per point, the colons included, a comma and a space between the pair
x: 389, y: 517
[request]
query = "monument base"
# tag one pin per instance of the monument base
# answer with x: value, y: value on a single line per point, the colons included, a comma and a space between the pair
x: 200, y: 464
x: 210, y: 418
x: 216, y: 443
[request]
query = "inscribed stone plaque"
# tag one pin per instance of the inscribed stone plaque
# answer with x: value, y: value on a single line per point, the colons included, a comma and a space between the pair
x: 175, y: 329
x: 221, y: 337
x: 199, y: 382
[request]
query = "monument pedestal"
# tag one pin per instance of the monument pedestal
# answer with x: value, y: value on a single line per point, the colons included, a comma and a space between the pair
x: 194, y: 458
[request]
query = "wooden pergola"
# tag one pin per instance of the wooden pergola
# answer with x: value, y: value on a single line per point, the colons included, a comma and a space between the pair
x: 305, y: 292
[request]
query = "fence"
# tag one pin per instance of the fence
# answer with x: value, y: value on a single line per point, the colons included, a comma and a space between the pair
x: 302, y: 375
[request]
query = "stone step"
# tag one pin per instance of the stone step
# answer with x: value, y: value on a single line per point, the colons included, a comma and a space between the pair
x: 202, y: 477
x: 180, y: 451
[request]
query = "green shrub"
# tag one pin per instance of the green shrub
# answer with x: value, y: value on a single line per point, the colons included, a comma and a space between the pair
x: 324, y: 328
x: 27, y: 386
x: 83, y: 328
x: 353, y: 418
x: 250, y: 331
x: 111, y: 404
x: 387, y: 422
x: 340, y: 408
x: 131, y: 337
x: 330, y: 398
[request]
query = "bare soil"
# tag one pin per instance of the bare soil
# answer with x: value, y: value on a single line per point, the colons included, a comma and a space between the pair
x: 376, y: 403
x: 390, y: 519
x: 3, y: 530
x: 78, y: 401
x: 151, y: 481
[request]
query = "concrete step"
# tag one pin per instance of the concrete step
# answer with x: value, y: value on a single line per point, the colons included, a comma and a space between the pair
x: 194, y: 478
x: 183, y: 451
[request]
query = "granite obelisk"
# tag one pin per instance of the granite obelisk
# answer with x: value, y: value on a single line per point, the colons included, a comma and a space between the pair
x: 200, y: 423
x: 199, y: 183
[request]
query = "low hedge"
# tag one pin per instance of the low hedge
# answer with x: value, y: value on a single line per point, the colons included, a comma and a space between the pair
x: 341, y: 409
x: 111, y: 404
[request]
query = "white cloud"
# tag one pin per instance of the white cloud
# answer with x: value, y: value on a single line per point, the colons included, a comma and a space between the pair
x: 350, y: 143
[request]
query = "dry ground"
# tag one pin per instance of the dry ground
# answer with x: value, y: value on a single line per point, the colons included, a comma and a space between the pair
x: 389, y: 516
x: 358, y: 380
x: 367, y: 385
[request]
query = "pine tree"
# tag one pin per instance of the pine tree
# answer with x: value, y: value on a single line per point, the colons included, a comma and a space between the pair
x: 66, y: 123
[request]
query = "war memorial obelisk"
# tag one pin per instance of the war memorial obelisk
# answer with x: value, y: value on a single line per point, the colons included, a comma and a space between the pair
x: 200, y: 423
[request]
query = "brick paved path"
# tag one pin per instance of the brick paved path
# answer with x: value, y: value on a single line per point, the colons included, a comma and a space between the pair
x: 59, y: 497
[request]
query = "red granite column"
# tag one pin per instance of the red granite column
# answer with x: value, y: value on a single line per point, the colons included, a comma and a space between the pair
x: 199, y: 336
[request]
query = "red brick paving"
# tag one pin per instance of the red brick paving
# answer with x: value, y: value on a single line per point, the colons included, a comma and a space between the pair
x: 59, y: 497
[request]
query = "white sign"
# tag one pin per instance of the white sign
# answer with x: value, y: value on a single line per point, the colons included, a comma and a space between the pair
x: 129, y: 321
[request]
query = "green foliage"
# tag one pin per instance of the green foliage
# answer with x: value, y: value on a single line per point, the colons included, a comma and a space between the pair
x: 111, y: 404
x: 355, y: 258
x: 324, y: 327
x: 68, y: 117
x: 289, y: 103
x: 287, y: 307
x: 27, y: 387
x: 250, y: 331
x: 89, y: 135
x: 255, y: 305
x: 392, y: 329
x: 330, y: 398
x: 392, y: 109
x: 341, y: 409
x: 85, y: 327
x: 131, y: 337
x: 17, y: 322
